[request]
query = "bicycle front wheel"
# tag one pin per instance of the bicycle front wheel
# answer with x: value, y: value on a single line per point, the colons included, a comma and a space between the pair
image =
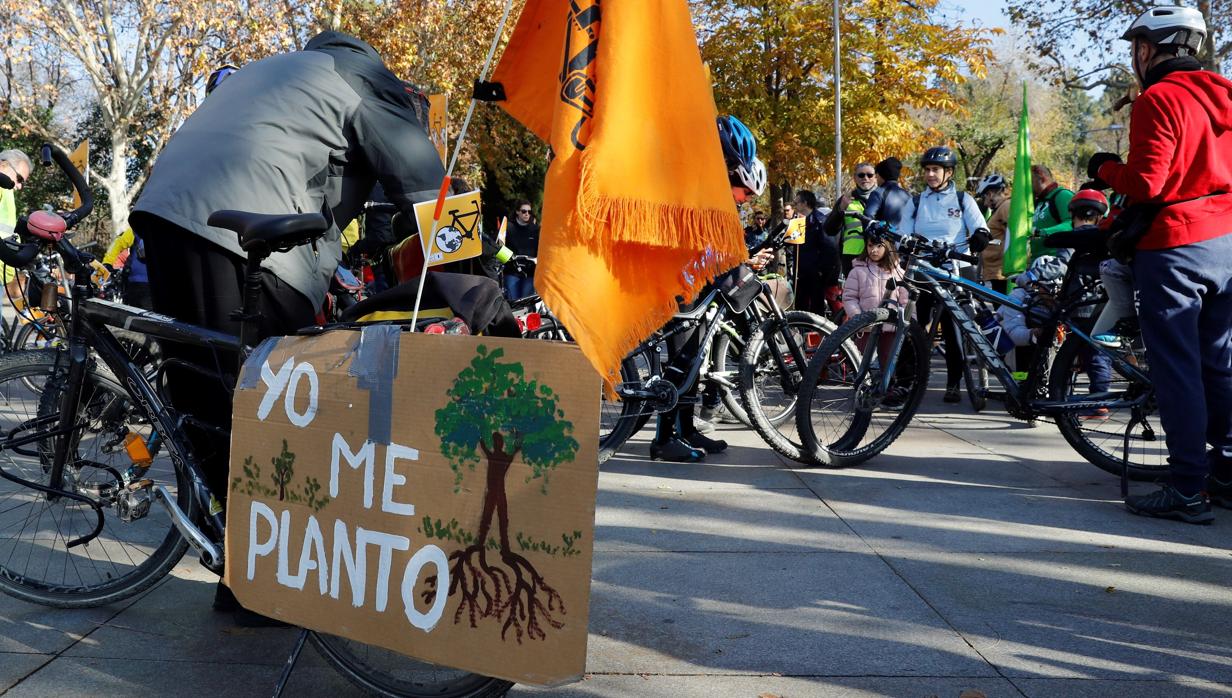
x: 770, y: 376
x: 1098, y: 435
x: 127, y: 557
x: 844, y: 416
x: 382, y: 672
x: 621, y: 418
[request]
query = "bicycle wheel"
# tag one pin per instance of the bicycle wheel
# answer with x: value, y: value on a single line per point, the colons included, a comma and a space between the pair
x: 726, y: 362
x: 843, y: 418
x: 770, y: 377
x: 128, y: 556
x: 622, y: 418
x: 44, y: 333
x: 1099, y: 435
x: 975, y: 376
x: 385, y: 673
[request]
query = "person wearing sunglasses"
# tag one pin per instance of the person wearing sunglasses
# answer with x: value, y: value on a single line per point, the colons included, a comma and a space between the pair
x: 522, y: 238
x: 15, y: 165
x: 843, y: 220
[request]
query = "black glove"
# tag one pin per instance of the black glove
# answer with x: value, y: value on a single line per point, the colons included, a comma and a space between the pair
x: 978, y: 241
x: 1097, y: 160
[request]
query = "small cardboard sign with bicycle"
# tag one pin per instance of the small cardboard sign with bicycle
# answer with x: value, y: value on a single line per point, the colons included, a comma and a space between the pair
x: 433, y: 495
x: 457, y: 236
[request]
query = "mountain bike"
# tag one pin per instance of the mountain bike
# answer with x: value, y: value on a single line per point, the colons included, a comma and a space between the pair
x: 778, y: 346
x: 96, y: 448
x: 854, y: 408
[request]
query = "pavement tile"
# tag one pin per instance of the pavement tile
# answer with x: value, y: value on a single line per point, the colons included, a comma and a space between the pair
x: 722, y: 520
x: 892, y: 514
x: 620, y: 686
x: 795, y: 614
x: 27, y: 627
x: 1096, y: 615
x: 15, y: 667
x: 1104, y: 688
x: 86, y: 676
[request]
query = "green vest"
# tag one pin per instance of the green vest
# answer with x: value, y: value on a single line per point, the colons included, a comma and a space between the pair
x: 853, y: 230
x: 8, y: 212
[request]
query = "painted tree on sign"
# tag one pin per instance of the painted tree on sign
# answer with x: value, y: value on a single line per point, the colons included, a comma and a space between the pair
x: 496, y: 415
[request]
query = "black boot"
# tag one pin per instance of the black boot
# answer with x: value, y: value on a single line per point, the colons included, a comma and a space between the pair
x: 676, y: 451
x: 952, y: 393
x: 694, y: 437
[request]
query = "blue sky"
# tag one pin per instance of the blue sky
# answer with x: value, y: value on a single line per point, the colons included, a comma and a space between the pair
x: 989, y: 12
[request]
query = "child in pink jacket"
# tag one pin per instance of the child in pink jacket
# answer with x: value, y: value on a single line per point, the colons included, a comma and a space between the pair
x: 865, y: 288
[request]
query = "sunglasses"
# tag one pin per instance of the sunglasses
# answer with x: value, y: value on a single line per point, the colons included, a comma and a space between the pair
x: 865, y: 175
x: 525, y: 210
x: 16, y: 175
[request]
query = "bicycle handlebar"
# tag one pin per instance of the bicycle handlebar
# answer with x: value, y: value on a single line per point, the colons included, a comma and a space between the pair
x: 72, y: 218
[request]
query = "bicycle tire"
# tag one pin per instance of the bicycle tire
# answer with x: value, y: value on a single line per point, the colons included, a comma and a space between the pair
x: 631, y: 418
x: 973, y: 369
x: 1101, y: 440
x: 374, y: 680
x: 847, y: 446
x: 727, y: 352
x: 753, y: 364
x: 116, y: 580
x: 30, y: 334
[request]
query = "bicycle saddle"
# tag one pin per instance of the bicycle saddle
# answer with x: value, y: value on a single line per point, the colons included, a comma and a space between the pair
x: 275, y: 231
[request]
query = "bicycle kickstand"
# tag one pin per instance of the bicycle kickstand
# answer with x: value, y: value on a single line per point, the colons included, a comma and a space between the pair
x: 291, y: 661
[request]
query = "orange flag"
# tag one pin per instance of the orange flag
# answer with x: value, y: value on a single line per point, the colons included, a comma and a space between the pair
x: 637, y: 208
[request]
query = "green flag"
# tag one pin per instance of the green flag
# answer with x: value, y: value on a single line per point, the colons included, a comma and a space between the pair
x: 1022, y: 204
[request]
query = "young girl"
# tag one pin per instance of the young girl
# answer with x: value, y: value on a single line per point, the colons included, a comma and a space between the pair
x: 865, y: 288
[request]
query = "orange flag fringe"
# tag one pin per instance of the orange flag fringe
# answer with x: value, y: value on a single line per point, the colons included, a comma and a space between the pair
x: 637, y: 208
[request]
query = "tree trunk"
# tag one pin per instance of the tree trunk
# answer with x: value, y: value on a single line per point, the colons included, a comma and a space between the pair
x: 495, y: 500
x: 119, y: 196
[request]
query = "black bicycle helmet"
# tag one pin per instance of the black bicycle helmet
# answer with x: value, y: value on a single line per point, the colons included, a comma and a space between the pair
x: 941, y: 155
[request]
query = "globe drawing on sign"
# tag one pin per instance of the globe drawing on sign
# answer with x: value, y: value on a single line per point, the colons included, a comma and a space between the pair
x: 449, y: 239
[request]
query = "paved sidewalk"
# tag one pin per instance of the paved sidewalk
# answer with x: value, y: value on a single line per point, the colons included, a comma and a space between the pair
x: 978, y: 554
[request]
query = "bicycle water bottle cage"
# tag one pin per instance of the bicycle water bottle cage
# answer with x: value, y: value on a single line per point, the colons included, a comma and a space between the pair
x: 260, y: 232
x: 46, y: 225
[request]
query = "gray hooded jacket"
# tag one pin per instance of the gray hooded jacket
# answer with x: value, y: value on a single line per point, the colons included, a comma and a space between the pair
x: 310, y: 130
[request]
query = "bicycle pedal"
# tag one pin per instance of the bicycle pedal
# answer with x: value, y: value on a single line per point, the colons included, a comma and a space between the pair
x: 133, y: 502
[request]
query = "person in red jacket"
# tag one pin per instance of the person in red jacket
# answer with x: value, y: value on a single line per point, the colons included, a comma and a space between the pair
x: 1180, y: 162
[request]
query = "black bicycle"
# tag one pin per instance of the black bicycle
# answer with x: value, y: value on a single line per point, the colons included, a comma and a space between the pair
x: 93, y: 447
x: 765, y: 373
x: 853, y: 409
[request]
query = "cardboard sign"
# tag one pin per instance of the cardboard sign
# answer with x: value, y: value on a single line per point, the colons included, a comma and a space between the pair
x: 80, y: 157
x: 795, y: 232
x: 430, y: 494
x: 438, y: 124
x: 457, y: 236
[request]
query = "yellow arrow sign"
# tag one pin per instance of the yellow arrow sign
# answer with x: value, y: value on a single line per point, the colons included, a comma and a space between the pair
x: 80, y: 157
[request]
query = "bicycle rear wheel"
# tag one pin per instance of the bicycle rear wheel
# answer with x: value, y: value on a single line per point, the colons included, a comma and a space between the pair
x: 770, y: 376
x: 385, y: 673
x: 128, y: 556
x: 1099, y: 435
x: 843, y: 418
x: 621, y: 418
x: 726, y: 361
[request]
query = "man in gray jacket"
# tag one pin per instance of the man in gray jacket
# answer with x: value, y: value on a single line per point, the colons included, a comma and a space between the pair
x: 307, y: 131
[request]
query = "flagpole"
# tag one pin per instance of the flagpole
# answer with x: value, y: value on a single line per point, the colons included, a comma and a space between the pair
x: 453, y: 162
x: 838, y: 114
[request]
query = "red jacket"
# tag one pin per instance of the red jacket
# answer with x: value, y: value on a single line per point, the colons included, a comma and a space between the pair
x: 1180, y: 147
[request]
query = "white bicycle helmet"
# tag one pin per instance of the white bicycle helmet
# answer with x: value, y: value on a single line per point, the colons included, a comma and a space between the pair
x: 1169, y: 26
x: 754, y: 177
x: 992, y: 181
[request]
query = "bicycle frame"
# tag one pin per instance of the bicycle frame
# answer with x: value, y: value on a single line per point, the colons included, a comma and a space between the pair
x: 1020, y: 395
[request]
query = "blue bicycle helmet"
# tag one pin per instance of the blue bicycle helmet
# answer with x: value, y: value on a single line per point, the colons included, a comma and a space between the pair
x: 740, y: 153
x: 215, y: 79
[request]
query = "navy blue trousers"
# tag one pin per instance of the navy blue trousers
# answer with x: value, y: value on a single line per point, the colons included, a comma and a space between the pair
x: 1185, y: 304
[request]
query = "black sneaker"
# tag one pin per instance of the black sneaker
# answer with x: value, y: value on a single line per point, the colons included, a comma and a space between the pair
x: 1168, y: 503
x: 1220, y: 491
x: 705, y: 443
x: 676, y: 451
x: 952, y: 394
